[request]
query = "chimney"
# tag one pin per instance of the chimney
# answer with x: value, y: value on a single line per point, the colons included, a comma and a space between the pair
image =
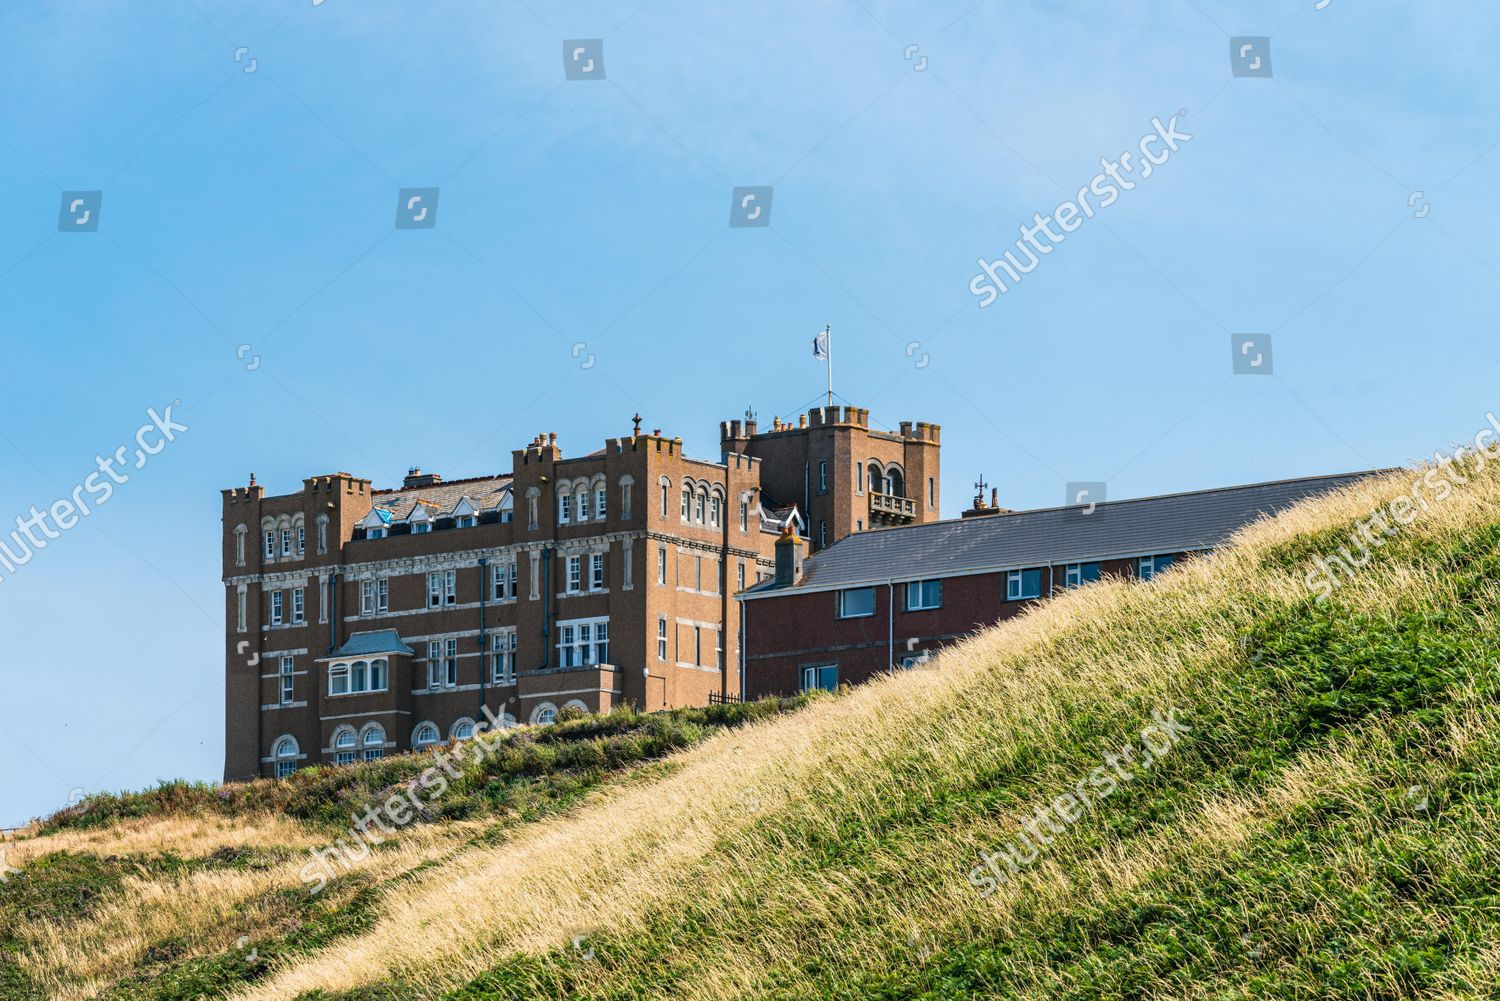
x: 788, y: 558
x: 416, y: 478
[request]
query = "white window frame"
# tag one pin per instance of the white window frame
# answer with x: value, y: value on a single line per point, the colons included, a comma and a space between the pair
x: 601, y: 499
x: 661, y: 638
x: 270, y: 540
x: 843, y: 596
x: 286, y: 542
x: 288, y: 679
x: 596, y: 572
x: 1015, y: 584
x: 503, y: 656
x: 573, y: 583
x: 299, y: 605
x: 277, y: 607
x: 564, y: 508
x: 916, y: 587
x: 812, y: 677
x: 583, y: 642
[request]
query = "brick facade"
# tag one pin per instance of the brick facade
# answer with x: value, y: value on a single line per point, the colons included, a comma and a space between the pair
x: 343, y: 581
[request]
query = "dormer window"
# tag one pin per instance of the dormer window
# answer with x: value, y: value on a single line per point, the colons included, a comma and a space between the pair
x: 420, y: 527
x: 465, y: 514
x: 376, y: 533
x: 464, y: 521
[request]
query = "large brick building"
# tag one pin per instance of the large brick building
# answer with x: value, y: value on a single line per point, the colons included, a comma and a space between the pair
x: 879, y: 601
x: 363, y: 621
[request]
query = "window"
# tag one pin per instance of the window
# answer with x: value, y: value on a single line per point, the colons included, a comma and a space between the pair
x: 625, y: 486
x: 503, y: 580
x: 601, y: 497
x: 857, y: 603
x: 286, y: 754
x: 421, y: 527
x: 322, y: 533
x: 277, y: 599
x: 596, y: 571
x: 241, y: 609
x: 875, y: 478
x: 564, y: 508
x: 702, y: 505
x: 239, y: 546
x: 687, y: 503
x: 627, y: 567
x: 666, y: 489
x: 1023, y: 584
x: 344, y: 743
x: 698, y: 645
x: 931, y: 492
x: 544, y: 713
x: 895, y: 484
x: 374, y: 596
x: 450, y: 662
x: 373, y: 742
x: 924, y: 594
x: 715, y: 510
x: 583, y: 642
x: 575, y: 574
x: 1078, y: 574
x: 859, y: 477
x: 301, y: 540
x: 464, y: 521
x: 583, y: 505
x: 375, y: 533
x: 434, y: 664
x: 824, y: 676
x: 288, y: 679
x: 425, y: 735
x: 719, y: 649
x: 661, y: 638
x: 503, y: 657
x: 286, y: 542
x: 463, y: 729
x: 299, y: 605
x: 1150, y: 566
x: 270, y: 545
x: 661, y: 565
x: 338, y: 679
x: 442, y: 588
x: 532, y: 506
x: 822, y: 477
x: 744, y: 515
x: 740, y: 576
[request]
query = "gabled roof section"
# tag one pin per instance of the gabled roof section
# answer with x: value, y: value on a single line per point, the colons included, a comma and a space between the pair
x: 1171, y: 523
x: 371, y: 644
x: 484, y: 492
x: 422, y: 510
x: 377, y: 518
x: 464, y: 507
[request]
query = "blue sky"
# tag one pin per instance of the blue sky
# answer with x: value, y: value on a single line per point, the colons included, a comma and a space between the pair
x: 587, y: 219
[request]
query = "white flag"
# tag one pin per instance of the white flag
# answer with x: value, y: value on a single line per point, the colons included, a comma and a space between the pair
x: 820, y: 346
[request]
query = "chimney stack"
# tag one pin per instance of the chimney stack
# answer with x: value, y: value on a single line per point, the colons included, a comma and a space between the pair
x: 788, y: 558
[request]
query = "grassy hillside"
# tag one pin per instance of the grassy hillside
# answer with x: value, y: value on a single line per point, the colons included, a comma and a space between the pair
x: 1214, y: 785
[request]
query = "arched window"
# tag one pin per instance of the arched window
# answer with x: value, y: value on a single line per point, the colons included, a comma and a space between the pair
x: 576, y: 704
x: 463, y: 729
x: 286, y: 753
x: 344, y: 742
x: 359, y: 676
x: 425, y: 735
x: 687, y: 502
x: 715, y: 510
x: 544, y: 713
x: 702, y: 505
x: 894, y: 482
x: 373, y: 742
x: 877, y: 481
x: 240, y: 531
x: 666, y: 492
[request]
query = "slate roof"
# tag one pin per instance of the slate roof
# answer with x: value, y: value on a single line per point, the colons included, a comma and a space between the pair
x: 1171, y: 523
x: 441, y: 498
x: 371, y: 643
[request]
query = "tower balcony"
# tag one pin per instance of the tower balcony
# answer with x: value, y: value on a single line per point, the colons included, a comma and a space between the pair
x: 888, y: 509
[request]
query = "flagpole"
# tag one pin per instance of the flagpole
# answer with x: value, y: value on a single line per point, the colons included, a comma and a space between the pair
x: 828, y: 330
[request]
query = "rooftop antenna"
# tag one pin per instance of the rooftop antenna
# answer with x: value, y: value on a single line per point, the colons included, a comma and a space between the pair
x: 750, y: 413
x: 979, y: 491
